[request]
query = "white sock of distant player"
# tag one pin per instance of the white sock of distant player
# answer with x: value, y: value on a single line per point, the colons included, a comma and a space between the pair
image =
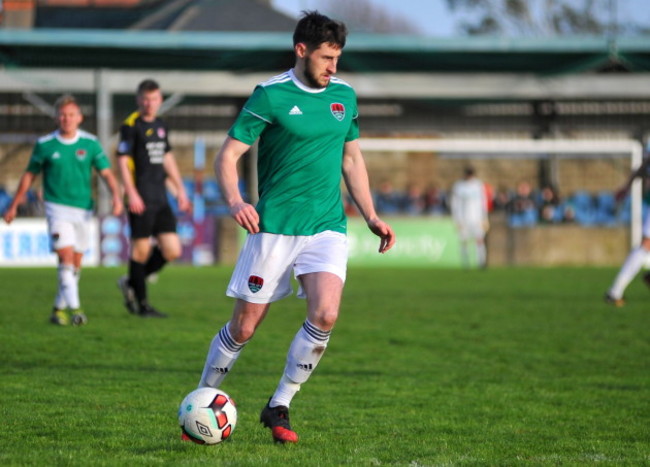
x: 68, y: 286
x: 464, y: 254
x: 223, y: 353
x: 629, y: 270
x: 481, y: 254
x: 305, y: 352
x: 59, y: 301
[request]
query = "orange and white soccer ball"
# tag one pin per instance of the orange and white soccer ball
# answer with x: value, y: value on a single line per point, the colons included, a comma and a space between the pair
x: 207, y: 416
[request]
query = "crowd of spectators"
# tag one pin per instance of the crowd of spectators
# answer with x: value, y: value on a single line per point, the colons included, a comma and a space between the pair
x: 523, y: 205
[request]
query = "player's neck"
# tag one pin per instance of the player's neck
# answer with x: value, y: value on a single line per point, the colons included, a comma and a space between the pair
x: 67, y: 134
x: 147, y: 117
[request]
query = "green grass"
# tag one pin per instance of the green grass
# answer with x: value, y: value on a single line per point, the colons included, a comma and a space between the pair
x: 425, y: 367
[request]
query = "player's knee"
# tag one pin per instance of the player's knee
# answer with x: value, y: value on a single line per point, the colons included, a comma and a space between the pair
x: 242, y: 334
x: 645, y: 243
x: 325, y: 319
x: 171, y: 254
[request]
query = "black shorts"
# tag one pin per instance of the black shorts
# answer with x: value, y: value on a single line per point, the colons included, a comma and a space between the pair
x: 153, y: 221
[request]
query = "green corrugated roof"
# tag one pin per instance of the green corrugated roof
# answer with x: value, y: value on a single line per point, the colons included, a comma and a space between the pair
x: 267, y: 51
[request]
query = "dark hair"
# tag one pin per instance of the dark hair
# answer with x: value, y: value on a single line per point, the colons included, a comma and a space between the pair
x: 315, y: 29
x: 148, y: 85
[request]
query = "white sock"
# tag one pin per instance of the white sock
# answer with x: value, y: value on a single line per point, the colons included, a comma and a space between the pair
x: 464, y: 254
x: 629, y: 270
x: 68, y: 286
x: 481, y: 254
x: 223, y: 353
x: 305, y: 352
x: 59, y: 301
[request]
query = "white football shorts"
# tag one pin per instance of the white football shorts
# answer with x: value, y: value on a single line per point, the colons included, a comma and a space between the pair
x: 68, y: 226
x: 263, y: 270
x: 469, y: 230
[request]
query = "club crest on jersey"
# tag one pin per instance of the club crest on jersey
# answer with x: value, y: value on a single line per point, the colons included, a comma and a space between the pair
x: 255, y: 283
x: 81, y: 154
x: 338, y: 110
x: 161, y: 133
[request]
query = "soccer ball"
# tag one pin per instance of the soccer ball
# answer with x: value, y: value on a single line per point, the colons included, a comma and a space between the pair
x: 207, y: 416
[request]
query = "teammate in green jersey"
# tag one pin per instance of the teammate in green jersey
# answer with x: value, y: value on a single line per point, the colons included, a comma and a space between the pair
x: 306, y: 123
x: 66, y: 158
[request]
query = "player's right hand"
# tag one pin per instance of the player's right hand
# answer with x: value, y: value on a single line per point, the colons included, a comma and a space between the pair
x: 246, y: 216
x: 136, y: 205
x: 9, y: 215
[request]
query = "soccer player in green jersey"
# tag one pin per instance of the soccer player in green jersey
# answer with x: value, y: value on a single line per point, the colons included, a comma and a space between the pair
x: 306, y: 123
x: 66, y: 158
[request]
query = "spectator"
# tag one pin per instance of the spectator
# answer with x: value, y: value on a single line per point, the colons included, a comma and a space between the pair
x: 387, y: 200
x: 413, y: 202
x: 501, y: 200
x: 435, y: 202
x: 523, y: 209
x: 549, y: 206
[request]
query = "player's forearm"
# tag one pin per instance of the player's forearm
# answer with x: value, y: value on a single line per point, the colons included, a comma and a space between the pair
x: 127, y: 177
x: 228, y: 179
x: 225, y: 169
x: 23, y: 186
x: 171, y: 169
x: 111, y: 181
x: 356, y: 180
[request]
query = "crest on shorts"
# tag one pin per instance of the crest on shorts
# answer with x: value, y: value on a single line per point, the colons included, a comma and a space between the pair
x: 255, y: 283
x: 338, y: 110
x: 81, y: 154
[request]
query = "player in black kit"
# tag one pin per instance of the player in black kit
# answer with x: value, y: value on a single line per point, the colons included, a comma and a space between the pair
x: 146, y: 162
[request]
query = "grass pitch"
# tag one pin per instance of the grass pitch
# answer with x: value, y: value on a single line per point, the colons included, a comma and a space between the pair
x: 425, y: 367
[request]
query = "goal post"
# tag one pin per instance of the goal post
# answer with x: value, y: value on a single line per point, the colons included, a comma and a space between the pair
x: 502, y: 148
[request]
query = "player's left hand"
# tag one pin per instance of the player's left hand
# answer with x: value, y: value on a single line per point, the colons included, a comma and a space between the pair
x: 184, y: 204
x: 384, y: 232
x: 118, y: 206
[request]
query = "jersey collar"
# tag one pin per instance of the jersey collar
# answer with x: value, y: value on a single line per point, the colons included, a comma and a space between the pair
x: 302, y: 86
x: 72, y: 140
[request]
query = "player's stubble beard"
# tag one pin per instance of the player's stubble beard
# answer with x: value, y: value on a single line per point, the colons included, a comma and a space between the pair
x: 310, y: 76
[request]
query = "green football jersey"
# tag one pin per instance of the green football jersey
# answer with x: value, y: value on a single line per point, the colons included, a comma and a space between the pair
x: 302, y: 132
x: 67, y: 167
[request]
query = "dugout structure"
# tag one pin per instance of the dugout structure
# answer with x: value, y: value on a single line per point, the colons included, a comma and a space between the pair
x: 631, y: 150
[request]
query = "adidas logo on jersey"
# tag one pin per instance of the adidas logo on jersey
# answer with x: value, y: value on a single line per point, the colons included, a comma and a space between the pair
x: 295, y: 111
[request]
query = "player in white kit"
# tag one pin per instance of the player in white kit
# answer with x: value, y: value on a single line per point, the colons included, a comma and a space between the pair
x: 470, y: 213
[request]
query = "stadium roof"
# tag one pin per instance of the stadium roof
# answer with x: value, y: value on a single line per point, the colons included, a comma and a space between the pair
x: 271, y: 51
x: 172, y: 15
